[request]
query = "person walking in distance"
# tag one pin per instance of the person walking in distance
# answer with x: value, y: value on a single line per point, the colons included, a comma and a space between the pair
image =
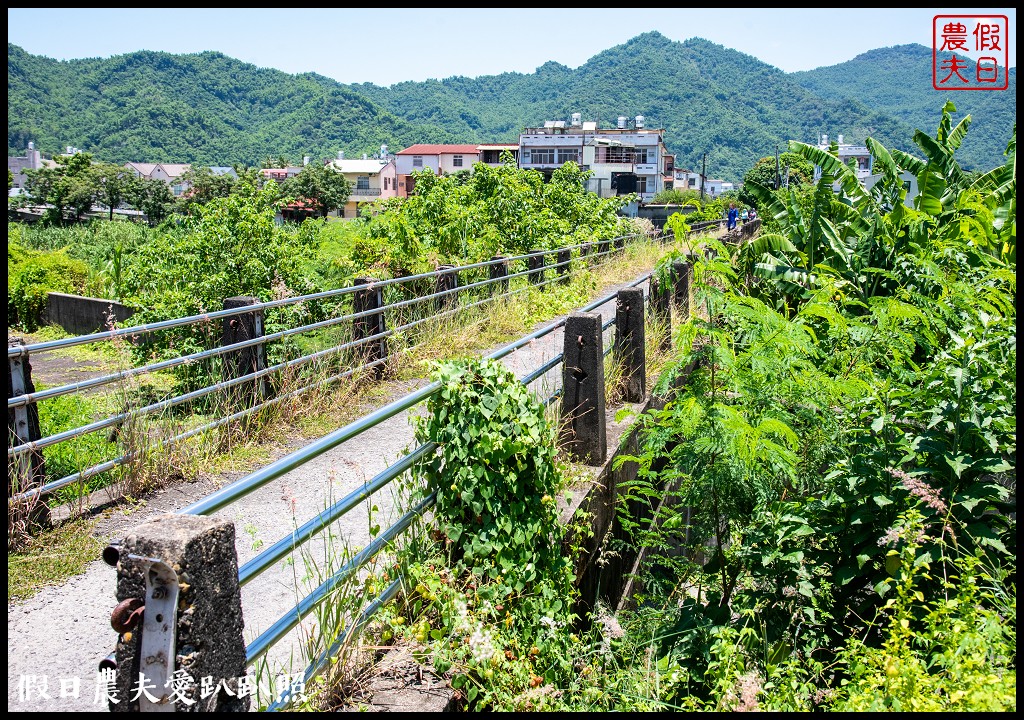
x: 732, y: 217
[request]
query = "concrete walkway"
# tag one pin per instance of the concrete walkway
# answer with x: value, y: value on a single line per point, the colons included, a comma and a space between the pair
x: 59, y: 636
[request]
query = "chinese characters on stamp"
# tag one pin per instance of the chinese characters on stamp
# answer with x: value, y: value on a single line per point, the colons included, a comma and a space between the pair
x: 970, y: 52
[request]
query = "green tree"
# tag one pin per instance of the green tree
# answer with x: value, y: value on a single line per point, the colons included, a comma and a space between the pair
x: 203, y: 186
x: 151, y: 197
x: 70, y: 188
x: 115, y: 183
x: 793, y: 170
x: 320, y: 186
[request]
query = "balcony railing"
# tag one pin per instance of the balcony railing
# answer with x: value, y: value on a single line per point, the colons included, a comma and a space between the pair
x: 365, y: 192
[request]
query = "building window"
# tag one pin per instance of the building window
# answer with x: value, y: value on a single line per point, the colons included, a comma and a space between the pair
x: 417, y: 161
x: 615, y: 155
x: 543, y: 156
x: 693, y: 182
x: 565, y: 156
x: 457, y: 161
x: 362, y: 183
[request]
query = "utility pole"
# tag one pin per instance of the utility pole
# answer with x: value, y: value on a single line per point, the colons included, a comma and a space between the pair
x: 703, y: 174
x: 777, y: 176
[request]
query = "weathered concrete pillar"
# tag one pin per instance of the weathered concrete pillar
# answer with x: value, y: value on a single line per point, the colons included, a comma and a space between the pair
x: 681, y: 274
x: 583, y: 401
x: 368, y: 326
x: 661, y: 311
x: 26, y: 470
x: 586, y: 250
x: 619, y: 243
x: 499, y: 273
x: 448, y: 280
x: 187, y: 640
x: 602, y: 249
x: 535, y: 264
x: 247, y: 360
x: 564, y: 264
x: 630, y: 345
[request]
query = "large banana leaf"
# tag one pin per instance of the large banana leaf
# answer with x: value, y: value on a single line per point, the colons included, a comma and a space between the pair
x: 831, y: 165
x: 767, y: 199
x: 908, y: 162
x: 941, y: 158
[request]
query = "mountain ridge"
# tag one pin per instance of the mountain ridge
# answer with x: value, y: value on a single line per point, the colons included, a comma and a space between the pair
x: 208, y: 108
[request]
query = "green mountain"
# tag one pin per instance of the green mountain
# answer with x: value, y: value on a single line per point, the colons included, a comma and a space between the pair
x: 210, y: 109
x: 898, y: 81
x: 203, y: 108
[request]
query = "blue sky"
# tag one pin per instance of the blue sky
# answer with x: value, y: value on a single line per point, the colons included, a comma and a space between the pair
x: 387, y: 46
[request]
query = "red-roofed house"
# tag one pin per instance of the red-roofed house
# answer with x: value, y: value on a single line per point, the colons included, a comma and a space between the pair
x: 442, y: 159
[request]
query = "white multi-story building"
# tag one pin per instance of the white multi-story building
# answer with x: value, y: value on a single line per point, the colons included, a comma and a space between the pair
x: 858, y: 153
x: 629, y: 158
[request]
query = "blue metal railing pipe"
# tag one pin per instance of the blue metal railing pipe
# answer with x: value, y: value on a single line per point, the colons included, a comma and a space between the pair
x: 258, y: 647
x: 215, y: 501
x: 287, y: 544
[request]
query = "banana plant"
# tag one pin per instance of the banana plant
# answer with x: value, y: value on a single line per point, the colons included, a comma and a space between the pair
x: 826, y: 242
x: 954, y: 199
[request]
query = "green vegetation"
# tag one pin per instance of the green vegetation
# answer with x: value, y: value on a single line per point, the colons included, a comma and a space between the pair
x: 823, y: 509
x: 50, y: 558
x: 898, y: 80
x: 32, y: 274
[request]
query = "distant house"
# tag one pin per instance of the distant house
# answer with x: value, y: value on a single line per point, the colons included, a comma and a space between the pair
x: 686, y: 179
x: 371, y: 178
x: 219, y: 170
x: 859, y: 154
x: 909, y: 184
x: 166, y: 172
x: 715, y: 187
x: 279, y: 175
x: 442, y: 159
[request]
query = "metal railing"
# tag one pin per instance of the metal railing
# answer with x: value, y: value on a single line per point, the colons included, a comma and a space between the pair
x: 259, y: 647
x: 405, y: 305
x: 279, y: 629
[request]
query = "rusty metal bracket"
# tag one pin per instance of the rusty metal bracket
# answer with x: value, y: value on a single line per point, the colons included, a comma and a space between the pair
x: 126, y: 614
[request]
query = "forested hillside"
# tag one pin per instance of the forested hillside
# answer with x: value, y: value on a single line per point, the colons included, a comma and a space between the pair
x: 208, y: 108
x: 898, y: 81
x: 203, y: 108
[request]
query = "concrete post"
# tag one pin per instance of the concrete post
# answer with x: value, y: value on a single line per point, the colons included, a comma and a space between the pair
x: 681, y: 274
x: 583, y: 403
x: 27, y: 470
x: 630, y: 347
x: 602, y: 249
x: 535, y: 264
x: 586, y: 250
x: 620, y: 243
x: 661, y: 311
x: 564, y: 263
x: 370, y: 298
x: 447, y: 280
x: 247, y: 360
x: 184, y: 571
x: 499, y: 270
